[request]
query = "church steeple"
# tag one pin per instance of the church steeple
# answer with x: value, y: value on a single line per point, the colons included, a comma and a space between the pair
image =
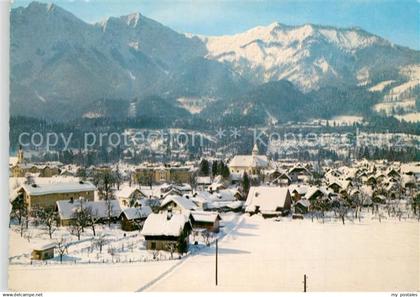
x: 255, y: 150
x: 20, y: 155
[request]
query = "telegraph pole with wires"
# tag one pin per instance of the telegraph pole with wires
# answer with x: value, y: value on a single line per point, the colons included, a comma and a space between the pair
x: 217, y: 252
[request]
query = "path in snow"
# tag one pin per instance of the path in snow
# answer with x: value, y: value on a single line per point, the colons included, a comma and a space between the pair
x: 89, y: 277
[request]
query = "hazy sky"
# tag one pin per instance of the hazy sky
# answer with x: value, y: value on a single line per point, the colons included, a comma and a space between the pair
x: 397, y: 21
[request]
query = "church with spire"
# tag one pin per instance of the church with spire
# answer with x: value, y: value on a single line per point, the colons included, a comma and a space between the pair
x: 252, y: 164
x: 19, y: 166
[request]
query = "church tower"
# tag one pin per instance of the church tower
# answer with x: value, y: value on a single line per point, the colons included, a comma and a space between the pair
x: 20, y: 156
x: 255, y: 150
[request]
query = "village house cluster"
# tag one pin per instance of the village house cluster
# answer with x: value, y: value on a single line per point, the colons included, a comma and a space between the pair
x: 170, y: 204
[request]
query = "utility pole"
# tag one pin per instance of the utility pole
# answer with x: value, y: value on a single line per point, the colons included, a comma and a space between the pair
x: 217, y: 252
x: 304, y: 283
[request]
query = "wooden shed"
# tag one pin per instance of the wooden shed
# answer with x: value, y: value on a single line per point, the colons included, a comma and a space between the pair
x: 43, y: 252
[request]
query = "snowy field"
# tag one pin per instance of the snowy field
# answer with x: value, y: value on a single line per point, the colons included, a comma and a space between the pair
x: 258, y: 254
x: 265, y: 255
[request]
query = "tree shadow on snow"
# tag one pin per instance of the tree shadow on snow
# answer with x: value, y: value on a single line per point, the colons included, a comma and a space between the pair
x: 239, y: 233
x: 248, y: 226
x: 223, y: 251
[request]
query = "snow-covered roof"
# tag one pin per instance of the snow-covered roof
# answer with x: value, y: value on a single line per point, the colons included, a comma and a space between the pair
x: 408, y: 179
x: 126, y: 191
x: 13, y: 161
x: 134, y: 213
x: 304, y: 202
x: 266, y: 198
x: 313, y: 190
x: 300, y: 169
x: 43, y: 247
x: 205, y: 216
x: 411, y: 168
x: 300, y: 189
x: 366, y: 190
x: 181, y: 201
x: 164, y: 224
x: 181, y: 188
x: 13, y: 194
x: 66, y: 209
x: 45, y: 189
x: 216, y: 186
x: 256, y: 161
x: 203, y: 180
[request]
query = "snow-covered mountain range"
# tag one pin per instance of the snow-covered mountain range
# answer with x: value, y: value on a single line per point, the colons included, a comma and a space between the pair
x: 310, y: 56
x: 59, y: 61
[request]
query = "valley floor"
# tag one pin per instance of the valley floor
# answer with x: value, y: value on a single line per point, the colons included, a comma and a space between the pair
x: 260, y: 255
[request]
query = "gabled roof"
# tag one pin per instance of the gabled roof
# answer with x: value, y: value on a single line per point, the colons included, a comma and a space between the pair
x: 266, y: 198
x: 45, y: 189
x: 182, y: 202
x: 205, y: 216
x: 304, y: 202
x: 282, y: 176
x: 134, y: 213
x: 43, y: 247
x: 300, y: 169
x: 66, y: 209
x: 256, y: 161
x: 298, y: 188
x: 313, y: 190
x: 164, y: 224
x: 172, y: 192
x: 126, y: 191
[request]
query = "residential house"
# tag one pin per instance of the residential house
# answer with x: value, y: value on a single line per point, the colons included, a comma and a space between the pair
x: 164, y: 231
x: 269, y: 201
x: 302, y: 206
x: 102, y: 210
x: 133, y: 218
x: 299, y: 174
x: 128, y: 195
x: 179, y: 204
x: 206, y: 220
x: 46, y: 195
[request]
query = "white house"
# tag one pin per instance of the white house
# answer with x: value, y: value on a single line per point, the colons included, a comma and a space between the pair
x: 269, y: 201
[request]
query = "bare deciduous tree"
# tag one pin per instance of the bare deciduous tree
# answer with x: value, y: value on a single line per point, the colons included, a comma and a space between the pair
x: 78, y: 222
x: 92, y: 218
x: 342, y: 213
x: 171, y: 247
x: 109, y: 211
x: 61, y: 247
x: 100, y: 241
x: 48, y: 217
x: 206, y: 236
